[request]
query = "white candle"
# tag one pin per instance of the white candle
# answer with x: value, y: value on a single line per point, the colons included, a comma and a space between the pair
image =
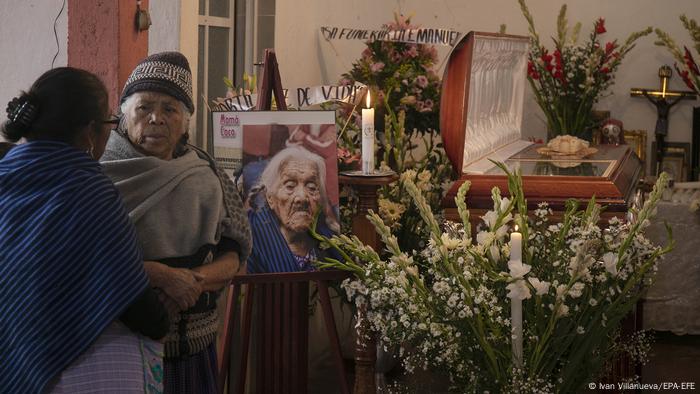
x: 516, y: 245
x: 368, y: 139
x: 516, y: 305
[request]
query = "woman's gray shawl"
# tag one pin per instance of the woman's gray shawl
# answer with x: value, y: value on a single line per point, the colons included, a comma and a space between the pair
x: 177, y: 205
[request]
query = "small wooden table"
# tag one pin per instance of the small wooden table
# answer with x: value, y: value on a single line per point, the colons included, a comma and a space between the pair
x: 366, y: 348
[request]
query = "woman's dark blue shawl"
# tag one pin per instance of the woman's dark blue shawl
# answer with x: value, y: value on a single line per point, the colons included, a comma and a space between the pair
x: 69, y: 262
x: 270, y: 250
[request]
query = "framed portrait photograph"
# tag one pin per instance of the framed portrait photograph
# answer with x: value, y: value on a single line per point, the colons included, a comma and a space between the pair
x: 287, y: 174
x: 676, y: 160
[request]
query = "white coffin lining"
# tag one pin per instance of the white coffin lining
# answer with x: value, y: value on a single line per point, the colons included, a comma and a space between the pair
x: 496, y: 96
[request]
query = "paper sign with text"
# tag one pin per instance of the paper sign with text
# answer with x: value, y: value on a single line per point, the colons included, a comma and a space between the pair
x: 301, y: 97
x: 411, y: 36
x: 228, y: 141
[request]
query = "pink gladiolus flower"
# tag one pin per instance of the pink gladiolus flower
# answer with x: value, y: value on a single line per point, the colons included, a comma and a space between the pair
x: 412, y: 51
x: 377, y: 67
x: 427, y: 105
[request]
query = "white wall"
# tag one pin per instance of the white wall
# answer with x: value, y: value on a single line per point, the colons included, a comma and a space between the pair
x: 26, y: 53
x: 164, y: 34
x: 27, y: 44
x: 298, y: 42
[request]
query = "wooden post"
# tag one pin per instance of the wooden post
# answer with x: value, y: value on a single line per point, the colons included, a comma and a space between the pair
x: 366, y: 346
x: 270, y: 84
x: 103, y: 39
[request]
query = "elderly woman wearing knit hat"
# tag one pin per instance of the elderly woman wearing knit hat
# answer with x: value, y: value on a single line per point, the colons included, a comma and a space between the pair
x: 188, y: 217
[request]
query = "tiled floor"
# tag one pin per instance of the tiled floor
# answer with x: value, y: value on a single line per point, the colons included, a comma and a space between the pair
x: 674, y: 360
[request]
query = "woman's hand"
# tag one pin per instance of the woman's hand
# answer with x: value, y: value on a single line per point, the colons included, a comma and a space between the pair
x: 219, y: 272
x: 170, y: 305
x: 184, y: 286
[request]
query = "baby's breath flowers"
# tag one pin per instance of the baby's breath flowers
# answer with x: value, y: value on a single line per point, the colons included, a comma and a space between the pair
x: 576, y: 279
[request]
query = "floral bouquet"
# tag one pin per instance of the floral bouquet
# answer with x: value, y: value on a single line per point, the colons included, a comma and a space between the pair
x: 408, y: 91
x: 568, y: 81
x: 402, y: 74
x: 431, y: 172
x: 689, y: 69
x: 576, y: 282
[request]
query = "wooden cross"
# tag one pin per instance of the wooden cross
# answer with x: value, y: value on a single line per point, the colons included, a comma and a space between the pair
x: 663, y: 99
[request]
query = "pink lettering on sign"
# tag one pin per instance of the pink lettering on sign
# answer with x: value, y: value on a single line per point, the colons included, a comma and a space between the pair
x: 228, y: 120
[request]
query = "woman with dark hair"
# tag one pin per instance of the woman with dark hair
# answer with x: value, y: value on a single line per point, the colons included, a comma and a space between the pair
x: 73, y: 289
x: 5, y: 147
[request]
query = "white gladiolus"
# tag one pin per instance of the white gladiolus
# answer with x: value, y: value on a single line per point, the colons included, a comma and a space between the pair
x: 541, y: 287
x: 518, y: 290
x: 610, y: 262
x: 518, y: 269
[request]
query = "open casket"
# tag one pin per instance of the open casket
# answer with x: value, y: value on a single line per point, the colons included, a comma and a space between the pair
x: 481, y: 114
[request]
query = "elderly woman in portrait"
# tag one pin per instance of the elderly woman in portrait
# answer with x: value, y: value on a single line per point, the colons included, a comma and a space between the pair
x: 188, y: 217
x: 290, y: 192
x: 75, y: 301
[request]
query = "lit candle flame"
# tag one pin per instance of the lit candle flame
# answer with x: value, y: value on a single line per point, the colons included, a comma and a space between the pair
x: 367, y: 98
x: 516, y: 228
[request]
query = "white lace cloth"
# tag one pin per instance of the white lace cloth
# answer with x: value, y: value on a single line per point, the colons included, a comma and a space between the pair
x: 673, y: 301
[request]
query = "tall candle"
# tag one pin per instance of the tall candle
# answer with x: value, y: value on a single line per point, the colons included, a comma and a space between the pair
x: 516, y: 245
x: 516, y: 305
x: 368, y: 138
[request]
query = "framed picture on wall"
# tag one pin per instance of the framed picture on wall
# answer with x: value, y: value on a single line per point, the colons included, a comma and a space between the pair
x: 676, y: 160
x: 637, y: 140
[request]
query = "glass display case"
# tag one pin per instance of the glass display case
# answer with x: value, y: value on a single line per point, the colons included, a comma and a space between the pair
x: 530, y: 162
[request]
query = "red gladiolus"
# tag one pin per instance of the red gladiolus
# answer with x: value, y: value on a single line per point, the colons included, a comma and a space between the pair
x: 604, y: 70
x: 532, y: 72
x: 609, y: 48
x: 690, y: 62
x: 557, y: 59
x: 686, y: 78
x: 547, y: 60
x: 600, y: 26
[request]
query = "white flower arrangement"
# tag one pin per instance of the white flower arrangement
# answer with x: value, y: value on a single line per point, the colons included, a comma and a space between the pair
x: 577, y: 282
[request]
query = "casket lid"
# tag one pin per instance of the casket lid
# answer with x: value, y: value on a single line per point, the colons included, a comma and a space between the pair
x: 482, y: 99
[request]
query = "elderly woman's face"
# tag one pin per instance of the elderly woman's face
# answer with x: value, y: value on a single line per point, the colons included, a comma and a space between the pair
x: 297, y: 195
x: 155, y: 123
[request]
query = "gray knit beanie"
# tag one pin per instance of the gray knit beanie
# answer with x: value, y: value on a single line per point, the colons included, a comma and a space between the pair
x: 165, y: 72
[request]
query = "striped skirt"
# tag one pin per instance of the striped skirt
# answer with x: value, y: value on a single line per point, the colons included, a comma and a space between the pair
x: 195, y: 374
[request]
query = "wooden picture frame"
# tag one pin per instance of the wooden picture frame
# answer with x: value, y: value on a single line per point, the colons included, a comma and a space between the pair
x: 637, y: 140
x: 676, y: 160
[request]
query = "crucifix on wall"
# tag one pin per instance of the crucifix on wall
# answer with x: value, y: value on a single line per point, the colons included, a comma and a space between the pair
x: 663, y: 99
